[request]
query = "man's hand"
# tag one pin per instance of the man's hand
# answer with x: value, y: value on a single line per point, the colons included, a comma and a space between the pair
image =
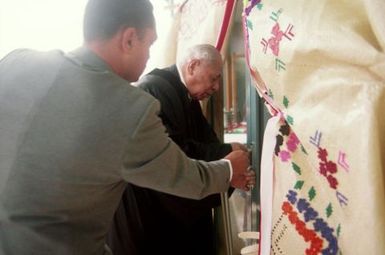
x: 238, y: 146
x: 243, y: 176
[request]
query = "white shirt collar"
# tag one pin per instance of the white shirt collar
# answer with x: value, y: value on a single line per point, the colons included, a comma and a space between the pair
x: 181, y: 75
x: 184, y: 83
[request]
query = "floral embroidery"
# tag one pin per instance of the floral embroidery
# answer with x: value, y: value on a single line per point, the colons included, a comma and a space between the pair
x: 284, y: 155
x: 311, y: 216
x: 327, y: 168
x: 307, y: 234
x: 292, y: 143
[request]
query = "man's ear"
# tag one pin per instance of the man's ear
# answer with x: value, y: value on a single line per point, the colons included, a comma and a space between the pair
x: 128, y: 39
x: 192, y: 65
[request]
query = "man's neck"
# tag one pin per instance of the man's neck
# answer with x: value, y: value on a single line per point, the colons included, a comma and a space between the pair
x: 108, y: 53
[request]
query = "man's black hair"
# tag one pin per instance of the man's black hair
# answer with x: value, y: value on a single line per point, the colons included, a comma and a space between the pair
x: 103, y: 18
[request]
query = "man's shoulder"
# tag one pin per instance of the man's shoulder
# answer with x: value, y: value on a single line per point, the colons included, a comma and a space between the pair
x: 140, y: 94
x: 156, y: 85
x: 136, y: 97
x: 151, y: 80
x: 22, y: 59
x: 25, y: 53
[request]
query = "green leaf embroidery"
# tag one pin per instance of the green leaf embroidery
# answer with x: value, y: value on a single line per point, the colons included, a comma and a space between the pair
x: 299, y: 185
x: 303, y: 149
x: 296, y: 168
x: 249, y: 24
x: 285, y: 102
x: 329, y: 210
x: 312, y: 193
x: 290, y: 120
x: 338, y: 230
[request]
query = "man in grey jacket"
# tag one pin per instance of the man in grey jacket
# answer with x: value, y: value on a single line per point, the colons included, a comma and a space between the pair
x: 72, y: 131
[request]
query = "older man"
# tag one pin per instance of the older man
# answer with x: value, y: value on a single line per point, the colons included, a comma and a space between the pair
x: 149, y: 222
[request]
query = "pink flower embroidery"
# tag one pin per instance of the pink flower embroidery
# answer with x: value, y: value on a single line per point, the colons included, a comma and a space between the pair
x: 284, y: 155
x: 276, y: 39
x: 292, y: 142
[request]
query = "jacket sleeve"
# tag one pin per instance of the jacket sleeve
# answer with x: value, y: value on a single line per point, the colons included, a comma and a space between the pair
x: 153, y: 161
x: 207, y: 148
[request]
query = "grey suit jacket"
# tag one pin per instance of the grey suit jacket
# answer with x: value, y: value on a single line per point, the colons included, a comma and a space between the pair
x: 71, y: 133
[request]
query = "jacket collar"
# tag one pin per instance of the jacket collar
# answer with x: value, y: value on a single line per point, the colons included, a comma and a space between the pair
x: 85, y: 57
x: 174, y: 70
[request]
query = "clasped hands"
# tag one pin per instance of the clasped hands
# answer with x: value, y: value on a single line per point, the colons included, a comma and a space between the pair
x: 243, y: 174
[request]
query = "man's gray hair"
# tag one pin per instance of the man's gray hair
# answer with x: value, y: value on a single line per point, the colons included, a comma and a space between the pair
x: 205, y: 52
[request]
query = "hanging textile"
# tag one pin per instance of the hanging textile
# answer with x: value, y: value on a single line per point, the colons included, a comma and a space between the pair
x: 197, y: 22
x: 320, y: 66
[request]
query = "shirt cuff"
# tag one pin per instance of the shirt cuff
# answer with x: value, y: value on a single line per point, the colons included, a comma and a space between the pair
x: 231, y: 169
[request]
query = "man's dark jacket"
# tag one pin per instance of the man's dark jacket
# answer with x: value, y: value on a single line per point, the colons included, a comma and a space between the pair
x: 150, y: 222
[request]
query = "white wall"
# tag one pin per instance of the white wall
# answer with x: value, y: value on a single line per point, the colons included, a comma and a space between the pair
x: 40, y: 24
x: 56, y: 24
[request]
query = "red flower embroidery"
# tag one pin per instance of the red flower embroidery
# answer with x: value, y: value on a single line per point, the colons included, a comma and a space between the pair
x: 332, y: 181
x: 322, y: 154
x: 331, y: 167
x: 323, y: 168
x: 308, y: 234
x: 326, y: 166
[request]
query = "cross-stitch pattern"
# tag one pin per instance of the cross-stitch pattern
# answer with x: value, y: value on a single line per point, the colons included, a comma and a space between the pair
x: 321, y: 70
